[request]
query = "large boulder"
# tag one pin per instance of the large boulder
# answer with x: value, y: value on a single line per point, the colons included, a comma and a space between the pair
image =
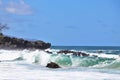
x: 52, y: 65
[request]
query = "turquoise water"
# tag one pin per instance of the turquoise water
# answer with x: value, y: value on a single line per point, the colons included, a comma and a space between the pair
x: 108, y: 57
x: 30, y: 64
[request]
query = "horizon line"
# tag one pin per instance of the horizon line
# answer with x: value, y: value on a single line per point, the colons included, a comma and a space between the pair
x: 88, y: 45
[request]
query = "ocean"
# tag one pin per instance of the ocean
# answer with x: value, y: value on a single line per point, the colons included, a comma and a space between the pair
x: 103, y: 63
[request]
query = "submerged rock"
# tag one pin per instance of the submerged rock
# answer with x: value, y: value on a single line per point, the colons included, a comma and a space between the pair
x: 52, y: 65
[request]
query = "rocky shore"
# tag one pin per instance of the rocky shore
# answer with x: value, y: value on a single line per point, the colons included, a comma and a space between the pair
x: 73, y: 53
x: 19, y: 43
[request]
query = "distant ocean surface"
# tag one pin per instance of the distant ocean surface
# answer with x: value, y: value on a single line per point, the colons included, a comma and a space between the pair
x: 87, y: 47
x: 102, y: 64
x: 105, y: 49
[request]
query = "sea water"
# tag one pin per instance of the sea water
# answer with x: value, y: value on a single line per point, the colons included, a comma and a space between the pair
x: 30, y: 64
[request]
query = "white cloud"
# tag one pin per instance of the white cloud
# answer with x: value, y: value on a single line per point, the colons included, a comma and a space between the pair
x: 20, y: 7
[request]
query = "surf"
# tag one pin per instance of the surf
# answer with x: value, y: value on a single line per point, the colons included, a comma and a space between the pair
x: 40, y: 57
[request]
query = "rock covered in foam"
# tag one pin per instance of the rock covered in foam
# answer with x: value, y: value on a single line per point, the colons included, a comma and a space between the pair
x: 73, y: 52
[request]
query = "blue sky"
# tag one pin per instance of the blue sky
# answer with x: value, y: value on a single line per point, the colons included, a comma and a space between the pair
x: 64, y: 22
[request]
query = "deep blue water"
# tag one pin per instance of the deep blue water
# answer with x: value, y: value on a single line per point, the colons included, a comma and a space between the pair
x: 87, y: 47
x: 94, y: 49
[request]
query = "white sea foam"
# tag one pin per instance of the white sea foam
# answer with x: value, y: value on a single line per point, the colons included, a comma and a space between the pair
x: 105, y: 55
x: 12, y: 71
x: 29, y: 65
x: 42, y: 58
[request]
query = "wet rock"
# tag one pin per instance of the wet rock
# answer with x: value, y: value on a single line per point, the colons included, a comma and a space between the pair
x: 99, y: 51
x: 65, y: 51
x: 84, y: 54
x: 73, y: 53
x: 52, y: 65
x: 94, y: 55
x: 49, y: 52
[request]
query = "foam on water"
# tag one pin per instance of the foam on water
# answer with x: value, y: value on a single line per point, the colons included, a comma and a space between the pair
x: 42, y: 58
x: 13, y: 71
x: 29, y: 65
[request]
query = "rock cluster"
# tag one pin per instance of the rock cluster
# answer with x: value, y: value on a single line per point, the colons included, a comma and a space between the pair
x: 12, y: 42
x: 73, y: 53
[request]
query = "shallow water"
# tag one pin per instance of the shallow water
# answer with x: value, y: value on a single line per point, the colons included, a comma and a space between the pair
x: 20, y: 71
x: 30, y: 65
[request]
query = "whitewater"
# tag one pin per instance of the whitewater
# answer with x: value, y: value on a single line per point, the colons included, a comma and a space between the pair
x: 31, y: 65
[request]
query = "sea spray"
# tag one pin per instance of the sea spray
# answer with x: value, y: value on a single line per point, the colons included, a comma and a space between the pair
x: 40, y: 57
x: 30, y: 65
x: 37, y: 56
x: 61, y: 59
x: 113, y: 65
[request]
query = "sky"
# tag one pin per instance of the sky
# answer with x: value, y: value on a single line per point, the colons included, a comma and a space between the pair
x: 63, y: 22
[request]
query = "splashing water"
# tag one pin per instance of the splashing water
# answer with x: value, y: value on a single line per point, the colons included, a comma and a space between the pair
x: 26, y: 63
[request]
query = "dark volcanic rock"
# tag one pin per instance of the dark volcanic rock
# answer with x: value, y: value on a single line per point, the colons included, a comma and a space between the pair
x: 52, y: 65
x: 49, y: 52
x: 74, y: 53
x: 11, y: 42
x: 66, y: 51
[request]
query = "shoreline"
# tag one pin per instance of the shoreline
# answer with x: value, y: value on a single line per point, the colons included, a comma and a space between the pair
x: 7, y: 42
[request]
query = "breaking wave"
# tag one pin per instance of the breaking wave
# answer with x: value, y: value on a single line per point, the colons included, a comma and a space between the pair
x: 103, y: 60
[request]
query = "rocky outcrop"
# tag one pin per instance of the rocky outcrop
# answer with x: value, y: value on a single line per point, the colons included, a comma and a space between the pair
x: 12, y: 42
x: 52, y: 65
x: 73, y: 53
